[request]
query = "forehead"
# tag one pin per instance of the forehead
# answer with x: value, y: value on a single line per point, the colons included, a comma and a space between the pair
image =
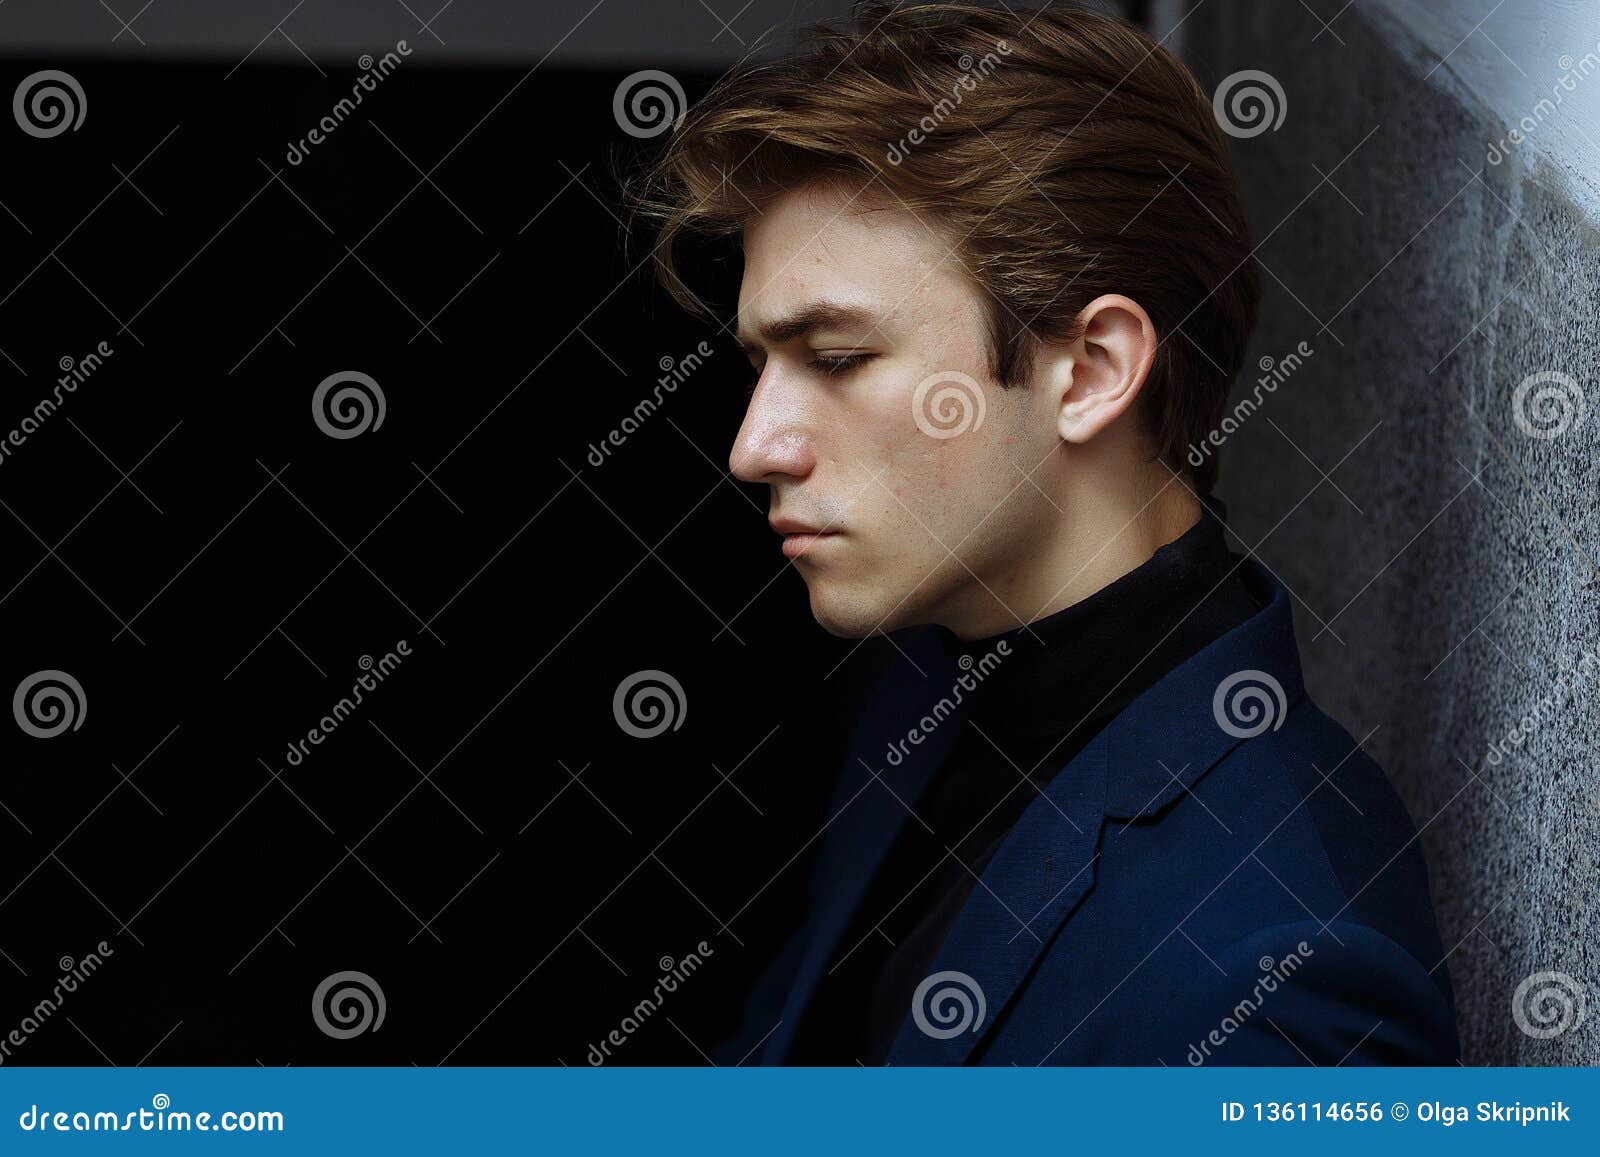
x: 825, y: 242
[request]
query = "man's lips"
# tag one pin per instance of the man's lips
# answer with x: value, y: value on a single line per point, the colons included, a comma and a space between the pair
x: 799, y: 538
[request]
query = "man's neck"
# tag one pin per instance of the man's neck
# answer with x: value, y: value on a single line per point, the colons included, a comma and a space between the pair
x: 1094, y: 551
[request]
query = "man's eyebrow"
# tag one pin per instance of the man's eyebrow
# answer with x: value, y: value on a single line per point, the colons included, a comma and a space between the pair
x: 819, y: 315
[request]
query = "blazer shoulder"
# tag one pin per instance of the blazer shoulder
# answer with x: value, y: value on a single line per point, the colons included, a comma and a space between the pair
x: 1343, y: 808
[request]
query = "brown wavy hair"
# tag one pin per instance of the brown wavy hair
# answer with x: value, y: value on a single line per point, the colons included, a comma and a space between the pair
x: 1067, y: 154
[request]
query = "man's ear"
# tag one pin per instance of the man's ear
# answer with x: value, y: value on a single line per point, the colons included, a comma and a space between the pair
x: 1097, y: 377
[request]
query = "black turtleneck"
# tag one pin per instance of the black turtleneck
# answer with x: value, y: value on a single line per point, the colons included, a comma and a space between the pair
x: 1065, y: 677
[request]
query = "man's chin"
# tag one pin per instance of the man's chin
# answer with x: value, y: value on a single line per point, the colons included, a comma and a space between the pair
x: 844, y: 630
x: 852, y: 618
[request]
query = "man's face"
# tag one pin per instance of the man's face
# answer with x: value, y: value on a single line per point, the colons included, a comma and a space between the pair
x: 874, y: 418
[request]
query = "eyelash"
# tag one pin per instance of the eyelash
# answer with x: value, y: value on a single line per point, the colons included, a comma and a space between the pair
x: 834, y: 366
x: 828, y: 367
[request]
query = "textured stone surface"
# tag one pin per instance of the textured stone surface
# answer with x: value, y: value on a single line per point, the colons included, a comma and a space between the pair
x: 1445, y: 567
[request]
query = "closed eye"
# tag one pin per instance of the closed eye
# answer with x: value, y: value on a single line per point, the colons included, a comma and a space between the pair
x: 828, y: 365
x: 832, y: 365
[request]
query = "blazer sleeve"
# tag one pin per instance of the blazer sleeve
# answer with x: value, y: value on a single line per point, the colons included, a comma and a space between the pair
x: 1305, y: 994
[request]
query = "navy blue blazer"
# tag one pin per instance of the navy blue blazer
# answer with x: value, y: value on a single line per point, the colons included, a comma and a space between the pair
x: 1211, y: 880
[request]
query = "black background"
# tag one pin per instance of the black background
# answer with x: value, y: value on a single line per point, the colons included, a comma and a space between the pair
x: 185, y: 493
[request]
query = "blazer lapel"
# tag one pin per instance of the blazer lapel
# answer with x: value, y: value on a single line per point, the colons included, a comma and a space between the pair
x: 869, y: 808
x: 1142, y: 762
x: 1041, y: 872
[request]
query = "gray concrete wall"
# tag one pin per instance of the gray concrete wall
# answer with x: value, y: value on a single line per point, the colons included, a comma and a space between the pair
x: 1442, y: 549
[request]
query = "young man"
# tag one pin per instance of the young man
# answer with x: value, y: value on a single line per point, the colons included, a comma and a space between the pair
x: 997, y: 281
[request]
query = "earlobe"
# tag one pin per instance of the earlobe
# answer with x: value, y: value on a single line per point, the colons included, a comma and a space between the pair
x: 1078, y: 399
x: 1070, y: 412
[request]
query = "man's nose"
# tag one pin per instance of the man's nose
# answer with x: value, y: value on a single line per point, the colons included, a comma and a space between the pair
x: 774, y: 440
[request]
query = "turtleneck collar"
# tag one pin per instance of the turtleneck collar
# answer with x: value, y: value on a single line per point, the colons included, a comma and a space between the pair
x: 1085, y: 662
